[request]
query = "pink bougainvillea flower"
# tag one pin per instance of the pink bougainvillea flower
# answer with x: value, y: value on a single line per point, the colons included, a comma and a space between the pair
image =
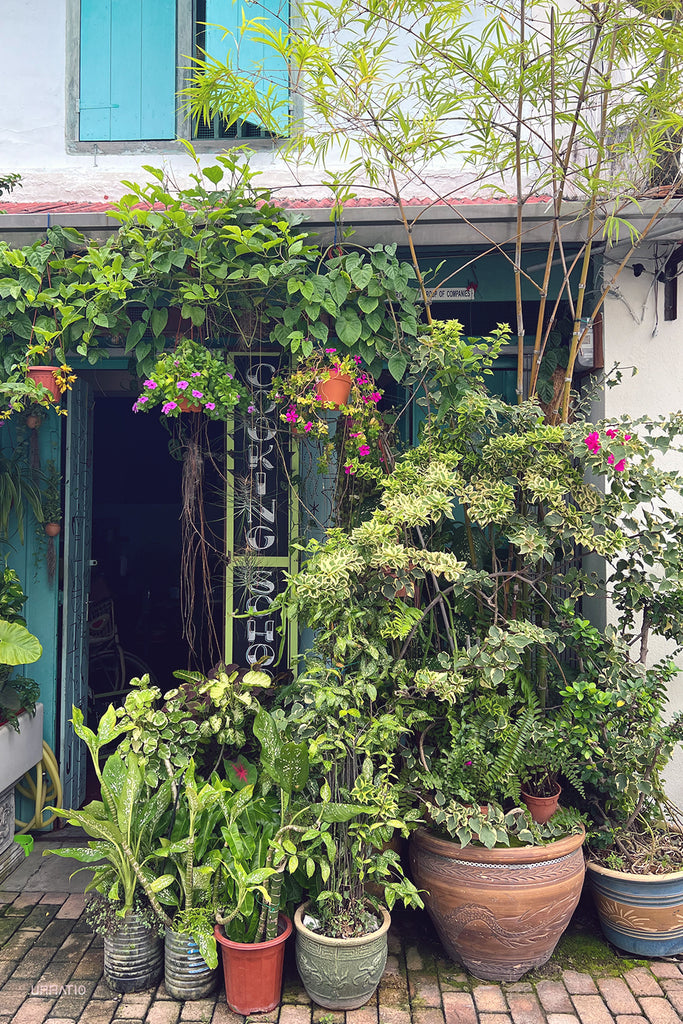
x: 610, y: 460
x: 364, y: 449
x: 592, y: 442
x: 291, y: 414
x: 620, y: 466
x: 182, y: 385
x: 308, y: 427
x: 169, y: 407
x: 210, y: 405
x: 375, y: 396
x: 197, y: 394
x: 627, y: 437
x: 356, y: 434
x: 176, y: 363
x: 330, y: 351
x: 357, y: 360
x: 349, y: 469
x: 467, y: 763
x: 151, y: 384
x: 611, y: 432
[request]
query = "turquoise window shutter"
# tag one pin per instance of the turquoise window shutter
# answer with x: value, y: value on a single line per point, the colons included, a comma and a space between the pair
x: 127, y: 70
x: 246, y: 54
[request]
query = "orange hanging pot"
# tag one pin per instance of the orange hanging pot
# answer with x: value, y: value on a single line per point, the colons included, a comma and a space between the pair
x: 45, y: 375
x: 52, y: 529
x: 334, y: 388
x: 185, y: 405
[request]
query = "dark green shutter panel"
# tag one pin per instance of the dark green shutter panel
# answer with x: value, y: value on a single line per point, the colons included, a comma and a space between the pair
x: 245, y: 54
x: 128, y: 70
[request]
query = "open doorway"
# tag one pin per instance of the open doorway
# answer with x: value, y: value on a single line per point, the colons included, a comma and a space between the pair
x: 137, y: 547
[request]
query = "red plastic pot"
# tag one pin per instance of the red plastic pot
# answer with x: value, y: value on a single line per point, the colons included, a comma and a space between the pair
x: 542, y: 808
x: 253, y: 970
x: 335, y: 388
x: 45, y: 375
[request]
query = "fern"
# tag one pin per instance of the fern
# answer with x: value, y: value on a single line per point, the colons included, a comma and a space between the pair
x: 503, y: 775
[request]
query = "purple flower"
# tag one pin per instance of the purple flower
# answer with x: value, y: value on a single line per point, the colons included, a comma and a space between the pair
x: 210, y: 405
x: 176, y: 362
x: 230, y: 376
x: 182, y: 385
x: 330, y: 351
x: 357, y: 360
x: 196, y: 373
x: 467, y: 763
x: 251, y: 408
x: 169, y: 407
x: 197, y: 394
x: 151, y: 384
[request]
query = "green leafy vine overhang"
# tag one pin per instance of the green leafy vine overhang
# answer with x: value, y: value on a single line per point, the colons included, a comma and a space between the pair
x: 217, y: 261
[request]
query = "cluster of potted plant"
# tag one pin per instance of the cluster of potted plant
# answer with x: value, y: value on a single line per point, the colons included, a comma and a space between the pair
x: 190, y: 378
x: 33, y: 384
x: 215, y: 816
x: 459, y: 602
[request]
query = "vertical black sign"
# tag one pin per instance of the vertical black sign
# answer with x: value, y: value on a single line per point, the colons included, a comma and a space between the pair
x: 261, y: 517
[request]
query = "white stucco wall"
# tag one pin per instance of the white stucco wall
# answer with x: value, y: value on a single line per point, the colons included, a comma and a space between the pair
x: 636, y: 335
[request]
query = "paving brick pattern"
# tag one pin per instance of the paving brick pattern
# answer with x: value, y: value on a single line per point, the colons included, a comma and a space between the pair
x: 51, y: 973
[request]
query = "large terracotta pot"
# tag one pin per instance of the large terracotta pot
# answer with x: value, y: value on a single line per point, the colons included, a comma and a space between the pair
x: 253, y: 970
x: 340, y: 974
x: 640, y: 914
x: 498, y: 912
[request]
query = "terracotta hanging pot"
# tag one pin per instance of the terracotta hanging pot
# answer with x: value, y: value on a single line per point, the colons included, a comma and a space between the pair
x: 335, y: 388
x: 33, y: 421
x: 52, y: 529
x: 542, y: 808
x: 185, y: 405
x: 45, y: 375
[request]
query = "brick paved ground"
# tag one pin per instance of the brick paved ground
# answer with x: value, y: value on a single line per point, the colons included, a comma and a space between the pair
x: 51, y: 971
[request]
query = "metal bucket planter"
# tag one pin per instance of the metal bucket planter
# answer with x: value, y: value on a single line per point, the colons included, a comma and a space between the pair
x: 133, y: 956
x: 186, y: 973
x: 340, y: 974
x: 640, y: 914
x: 499, y: 912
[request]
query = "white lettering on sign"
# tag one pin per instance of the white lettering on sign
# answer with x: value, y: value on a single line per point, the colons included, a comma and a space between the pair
x: 453, y: 294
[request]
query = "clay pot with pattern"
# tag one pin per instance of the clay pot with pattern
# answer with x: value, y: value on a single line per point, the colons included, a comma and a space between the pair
x: 641, y: 914
x: 499, y: 912
x: 340, y: 974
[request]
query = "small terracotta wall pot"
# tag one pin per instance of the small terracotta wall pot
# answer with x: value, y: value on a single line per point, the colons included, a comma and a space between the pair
x: 45, y: 375
x: 253, y: 970
x: 542, y: 808
x: 33, y: 421
x: 499, y: 912
x: 340, y: 974
x: 641, y: 914
x: 335, y: 388
x: 52, y: 529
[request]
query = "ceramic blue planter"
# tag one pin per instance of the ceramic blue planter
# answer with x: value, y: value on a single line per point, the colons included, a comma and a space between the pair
x: 640, y: 914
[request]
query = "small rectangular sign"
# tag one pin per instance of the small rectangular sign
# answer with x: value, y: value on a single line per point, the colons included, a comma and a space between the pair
x: 453, y: 294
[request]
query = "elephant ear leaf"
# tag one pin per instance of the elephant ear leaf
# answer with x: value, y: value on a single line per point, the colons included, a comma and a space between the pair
x: 17, y: 645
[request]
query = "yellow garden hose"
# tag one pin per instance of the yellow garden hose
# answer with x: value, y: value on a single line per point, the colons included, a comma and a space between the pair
x: 44, y: 789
